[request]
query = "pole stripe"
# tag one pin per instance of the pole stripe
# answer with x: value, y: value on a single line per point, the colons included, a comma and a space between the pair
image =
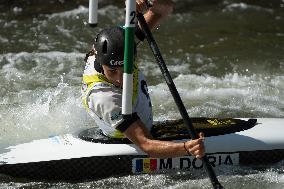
x: 126, y: 94
x: 127, y: 91
x: 129, y: 50
x: 130, y: 18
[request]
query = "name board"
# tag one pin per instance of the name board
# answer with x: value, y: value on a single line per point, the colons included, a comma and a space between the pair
x: 155, y: 165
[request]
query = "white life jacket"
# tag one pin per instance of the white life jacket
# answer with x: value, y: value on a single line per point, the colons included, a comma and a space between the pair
x: 102, y: 99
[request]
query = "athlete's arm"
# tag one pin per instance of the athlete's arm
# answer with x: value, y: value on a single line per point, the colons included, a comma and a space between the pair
x: 140, y: 136
x: 160, y: 9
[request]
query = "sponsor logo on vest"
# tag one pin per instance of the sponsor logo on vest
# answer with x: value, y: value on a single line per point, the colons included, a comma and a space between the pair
x: 151, y: 165
x: 116, y: 63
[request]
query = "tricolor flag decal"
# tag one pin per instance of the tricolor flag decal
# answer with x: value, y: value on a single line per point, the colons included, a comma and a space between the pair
x: 148, y: 165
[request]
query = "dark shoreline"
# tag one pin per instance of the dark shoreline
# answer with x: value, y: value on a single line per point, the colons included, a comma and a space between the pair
x: 36, y: 7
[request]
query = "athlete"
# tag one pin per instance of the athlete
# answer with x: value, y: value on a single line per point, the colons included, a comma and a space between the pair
x: 102, y: 91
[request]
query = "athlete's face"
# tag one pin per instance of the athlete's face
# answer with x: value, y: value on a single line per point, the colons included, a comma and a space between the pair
x: 114, y: 75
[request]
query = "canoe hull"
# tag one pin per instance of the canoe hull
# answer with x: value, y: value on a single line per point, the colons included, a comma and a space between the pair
x: 97, y: 167
x: 68, y: 157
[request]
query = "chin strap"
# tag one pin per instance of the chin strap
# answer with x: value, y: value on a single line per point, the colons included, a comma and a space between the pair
x: 98, y: 67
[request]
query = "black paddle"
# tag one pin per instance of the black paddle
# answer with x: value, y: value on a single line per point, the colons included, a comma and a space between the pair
x: 154, y: 47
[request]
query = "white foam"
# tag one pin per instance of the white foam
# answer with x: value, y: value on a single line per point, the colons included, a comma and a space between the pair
x: 244, y: 6
x: 230, y: 95
x: 22, y: 70
x: 3, y: 40
x: 37, y: 101
x: 110, y: 11
x: 48, y: 112
x: 71, y: 13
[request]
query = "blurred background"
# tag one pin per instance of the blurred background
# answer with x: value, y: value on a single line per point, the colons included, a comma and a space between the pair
x: 226, y: 58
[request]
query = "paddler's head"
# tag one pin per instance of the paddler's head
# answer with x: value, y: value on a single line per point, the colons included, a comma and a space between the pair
x: 109, y: 47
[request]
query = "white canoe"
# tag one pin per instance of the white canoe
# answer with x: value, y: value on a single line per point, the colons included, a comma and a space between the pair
x: 68, y: 157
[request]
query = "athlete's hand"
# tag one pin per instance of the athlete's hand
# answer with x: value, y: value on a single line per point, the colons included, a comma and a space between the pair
x: 161, y: 7
x: 158, y: 7
x: 196, y: 147
x: 141, y: 6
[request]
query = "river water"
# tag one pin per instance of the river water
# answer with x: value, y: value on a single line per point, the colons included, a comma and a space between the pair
x: 226, y: 58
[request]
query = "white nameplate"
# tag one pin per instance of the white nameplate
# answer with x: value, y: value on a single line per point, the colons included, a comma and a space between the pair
x: 151, y: 165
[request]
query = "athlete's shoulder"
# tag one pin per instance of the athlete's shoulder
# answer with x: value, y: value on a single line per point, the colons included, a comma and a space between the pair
x: 105, y: 92
x: 106, y: 102
x: 103, y: 85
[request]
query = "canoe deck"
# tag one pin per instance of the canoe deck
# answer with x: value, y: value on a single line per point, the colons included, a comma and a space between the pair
x: 68, y: 157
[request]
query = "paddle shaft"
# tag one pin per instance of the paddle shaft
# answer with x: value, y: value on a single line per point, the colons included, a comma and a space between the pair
x: 154, y: 47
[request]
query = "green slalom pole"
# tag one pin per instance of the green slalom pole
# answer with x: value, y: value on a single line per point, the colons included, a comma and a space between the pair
x: 128, y: 58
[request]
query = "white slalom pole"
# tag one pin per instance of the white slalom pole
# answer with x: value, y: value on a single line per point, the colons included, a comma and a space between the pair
x: 128, y: 58
x: 93, y: 13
